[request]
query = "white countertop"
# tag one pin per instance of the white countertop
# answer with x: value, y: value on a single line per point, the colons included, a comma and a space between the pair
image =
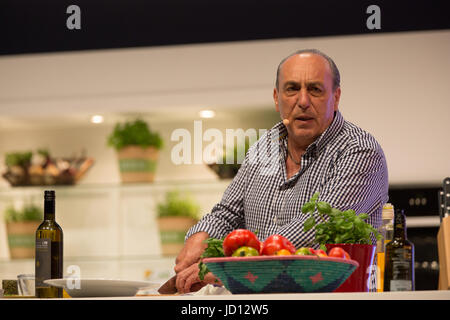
x: 405, y: 295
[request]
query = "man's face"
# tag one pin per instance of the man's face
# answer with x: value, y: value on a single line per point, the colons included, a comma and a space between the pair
x: 305, y: 96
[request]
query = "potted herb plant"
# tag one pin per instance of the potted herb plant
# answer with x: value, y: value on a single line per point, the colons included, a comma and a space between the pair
x: 137, y: 149
x: 176, y: 214
x: 21, y: 227
x: 17, y: 164
x: 347, y: 230
x: 226, y: 170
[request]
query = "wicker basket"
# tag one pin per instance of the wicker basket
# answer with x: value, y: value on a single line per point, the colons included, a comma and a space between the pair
x: 281, y: 274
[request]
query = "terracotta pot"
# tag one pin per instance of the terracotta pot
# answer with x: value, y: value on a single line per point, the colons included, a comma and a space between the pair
x: 21, y: 238
x: 137, y: 164
x: 359, y: 281
x: 172, y: 231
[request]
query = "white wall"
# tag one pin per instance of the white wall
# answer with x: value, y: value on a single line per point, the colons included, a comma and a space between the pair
x: 394, y: 85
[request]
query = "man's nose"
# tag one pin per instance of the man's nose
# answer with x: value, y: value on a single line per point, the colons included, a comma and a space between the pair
x: 303, y: 100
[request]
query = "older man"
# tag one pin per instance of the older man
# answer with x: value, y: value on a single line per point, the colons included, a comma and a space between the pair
x: 312, y: 150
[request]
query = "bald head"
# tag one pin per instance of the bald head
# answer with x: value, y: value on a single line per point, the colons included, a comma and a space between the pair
x: 336, y: 77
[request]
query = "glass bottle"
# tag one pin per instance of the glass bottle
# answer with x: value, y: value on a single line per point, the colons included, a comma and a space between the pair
x: 387, y: 230
x: 399, y: 265
x: 49, y: 251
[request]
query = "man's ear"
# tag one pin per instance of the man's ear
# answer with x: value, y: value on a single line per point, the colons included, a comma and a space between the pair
x: 275, y: 99
x: 337, y: 97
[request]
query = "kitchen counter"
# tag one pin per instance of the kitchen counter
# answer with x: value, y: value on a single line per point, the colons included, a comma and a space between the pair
x: 405, y: 295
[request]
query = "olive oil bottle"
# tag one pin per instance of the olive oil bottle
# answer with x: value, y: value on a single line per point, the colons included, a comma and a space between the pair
x: 49, y: 251
x: 387, y: 230
x: 399, y: 260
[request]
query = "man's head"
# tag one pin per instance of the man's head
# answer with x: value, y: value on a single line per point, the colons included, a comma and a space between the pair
x: 333, y: 67
x: 307, y: 93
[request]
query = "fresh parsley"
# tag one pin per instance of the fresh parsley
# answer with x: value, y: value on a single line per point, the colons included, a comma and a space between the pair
x: 214, y: 250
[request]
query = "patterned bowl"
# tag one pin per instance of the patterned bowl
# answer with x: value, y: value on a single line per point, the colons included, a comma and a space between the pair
x: 281, y: 274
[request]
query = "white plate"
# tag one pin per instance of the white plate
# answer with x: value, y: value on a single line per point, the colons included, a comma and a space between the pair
x: 102, y: 287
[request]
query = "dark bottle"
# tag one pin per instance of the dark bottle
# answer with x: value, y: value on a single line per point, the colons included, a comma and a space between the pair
x: 399, y: 263
x: 49, y: 251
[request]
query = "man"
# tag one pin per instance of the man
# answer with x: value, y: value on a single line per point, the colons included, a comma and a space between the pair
x: 312, y: 150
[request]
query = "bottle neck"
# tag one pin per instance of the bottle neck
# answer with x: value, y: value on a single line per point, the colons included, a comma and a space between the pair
x: 399, y: 225
x: 49, y: 209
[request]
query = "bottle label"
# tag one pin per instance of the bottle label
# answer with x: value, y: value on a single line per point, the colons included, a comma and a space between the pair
x: 401, y: 285
x: 43, y: 261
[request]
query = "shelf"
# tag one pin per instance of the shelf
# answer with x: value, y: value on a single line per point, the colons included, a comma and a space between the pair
x: 110, y: 219
x: 185, y: 184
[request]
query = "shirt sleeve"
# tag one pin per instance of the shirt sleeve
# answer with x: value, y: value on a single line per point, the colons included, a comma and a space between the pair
x: 359, y: 181
x: 228, y: 214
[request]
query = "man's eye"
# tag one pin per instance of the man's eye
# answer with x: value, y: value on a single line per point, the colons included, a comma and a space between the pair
x: 315, y: 90
x: 291, y: 89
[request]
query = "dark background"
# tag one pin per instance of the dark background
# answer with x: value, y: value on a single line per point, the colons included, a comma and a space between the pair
x: 40, y: 26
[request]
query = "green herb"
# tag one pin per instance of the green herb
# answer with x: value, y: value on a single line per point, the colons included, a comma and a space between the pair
x: 228, y: 165
x: 22, y: 159
x: 178, y: 204
x: 214, y: 249
x: 30, y: 212
x: 134, y: 133
x: 340, y: 227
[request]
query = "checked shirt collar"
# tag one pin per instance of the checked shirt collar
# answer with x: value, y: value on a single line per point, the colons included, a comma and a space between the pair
x: 313, y: 150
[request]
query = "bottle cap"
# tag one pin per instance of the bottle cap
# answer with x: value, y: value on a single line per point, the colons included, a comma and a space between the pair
x: 388, y: 211
x: 399, y: 216
x: 49, y: 195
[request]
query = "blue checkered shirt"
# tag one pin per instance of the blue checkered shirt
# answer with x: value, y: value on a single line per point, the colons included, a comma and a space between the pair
x: 345, y: 164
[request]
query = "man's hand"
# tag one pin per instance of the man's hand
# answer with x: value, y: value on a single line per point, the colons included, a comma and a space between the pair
x: 188, y: 280
x: 191, y: 251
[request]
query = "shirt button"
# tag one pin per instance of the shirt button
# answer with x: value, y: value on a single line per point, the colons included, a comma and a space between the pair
x: 275, y: 220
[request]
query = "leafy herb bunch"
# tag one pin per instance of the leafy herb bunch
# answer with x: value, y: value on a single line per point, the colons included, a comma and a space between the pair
x: 214, y: 250
x: 341, y: 226
x: 178, y: 204
x: 30, y: 212
x: 135, y: 132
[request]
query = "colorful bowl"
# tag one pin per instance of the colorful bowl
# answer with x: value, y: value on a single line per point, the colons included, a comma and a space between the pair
x: 281, y: 274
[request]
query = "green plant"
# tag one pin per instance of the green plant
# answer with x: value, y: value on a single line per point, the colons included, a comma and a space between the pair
x: 213, y: 250
x: 29, y: 212
x: 233, y: 153
x: 341, y: 226
x: 22, y: 159
x: 178, y: 204
x: 135, y: 132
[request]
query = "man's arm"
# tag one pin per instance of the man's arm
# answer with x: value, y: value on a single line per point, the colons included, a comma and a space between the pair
x: 191, y: 252
x: 228, y: 214
x: 358, y: 181
x: 224, y: 218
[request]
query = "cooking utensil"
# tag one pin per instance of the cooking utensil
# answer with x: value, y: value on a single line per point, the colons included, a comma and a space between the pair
x: 169, y: 287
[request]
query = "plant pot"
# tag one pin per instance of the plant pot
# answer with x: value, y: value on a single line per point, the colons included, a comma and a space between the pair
x: 21, y: 238
x: 224, y: 171
x: 172, y: 231
x: 364, y: 254
x: 137, y: 164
